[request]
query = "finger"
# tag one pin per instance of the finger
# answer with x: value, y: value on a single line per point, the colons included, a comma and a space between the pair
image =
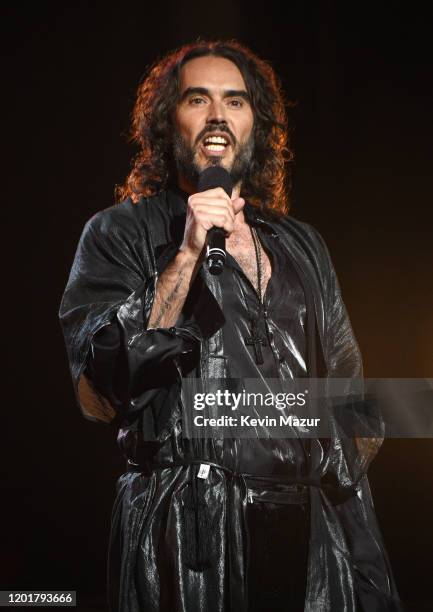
x: 223, y: 221
x: 238, y: 204
x: 213, y: 214
x: 217, y: 193
x: 203, y: 199
x: 215, y: 208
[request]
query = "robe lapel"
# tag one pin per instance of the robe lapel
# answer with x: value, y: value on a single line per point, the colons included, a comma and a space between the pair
x: 310, y: 279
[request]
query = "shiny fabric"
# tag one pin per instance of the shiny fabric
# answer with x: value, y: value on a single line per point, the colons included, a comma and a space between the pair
x: 283, y: 327
x: 278, y: 556
x: 121, y: 252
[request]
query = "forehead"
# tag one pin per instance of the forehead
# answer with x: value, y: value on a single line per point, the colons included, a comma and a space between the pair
x: 211, y: 73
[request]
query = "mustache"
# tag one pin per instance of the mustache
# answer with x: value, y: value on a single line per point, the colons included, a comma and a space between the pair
x: 216, y: 128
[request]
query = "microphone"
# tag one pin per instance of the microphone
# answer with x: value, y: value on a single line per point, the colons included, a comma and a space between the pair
x: 210, y: 178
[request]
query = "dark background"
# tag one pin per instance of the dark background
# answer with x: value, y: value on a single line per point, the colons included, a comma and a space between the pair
x: 361, y: 76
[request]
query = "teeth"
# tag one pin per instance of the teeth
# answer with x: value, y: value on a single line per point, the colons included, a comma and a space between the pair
x: 214, y: 147
x: 216, y: 140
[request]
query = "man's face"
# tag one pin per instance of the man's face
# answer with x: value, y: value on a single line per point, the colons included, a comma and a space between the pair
x: 213, y: 120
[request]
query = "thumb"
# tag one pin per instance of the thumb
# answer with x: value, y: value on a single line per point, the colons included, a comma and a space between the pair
x: 238, y: 204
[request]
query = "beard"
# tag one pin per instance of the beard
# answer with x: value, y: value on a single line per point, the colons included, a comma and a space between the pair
x: 187, y: 166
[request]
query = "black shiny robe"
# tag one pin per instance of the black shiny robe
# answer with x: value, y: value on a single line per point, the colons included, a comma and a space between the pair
x: 121, y: 252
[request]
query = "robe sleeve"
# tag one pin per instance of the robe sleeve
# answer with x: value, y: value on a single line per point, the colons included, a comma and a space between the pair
x: 107, y: 302
x: 344, y: 361
x: 349, y: 460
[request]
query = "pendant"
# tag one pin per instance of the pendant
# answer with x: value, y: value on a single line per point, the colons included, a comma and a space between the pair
x: 256, y: 341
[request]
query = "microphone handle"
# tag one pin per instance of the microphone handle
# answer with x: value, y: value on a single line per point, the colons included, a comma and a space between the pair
x: 216, y: 250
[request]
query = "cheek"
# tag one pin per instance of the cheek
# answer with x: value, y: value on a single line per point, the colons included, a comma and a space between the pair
x: 180, y: 126
x: 247, y: 123
x: 182, y: 123
x: 189, y: 129
x: 247, y: 129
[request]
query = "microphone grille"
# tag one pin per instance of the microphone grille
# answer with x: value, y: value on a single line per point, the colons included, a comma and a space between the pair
x: 215, y: 176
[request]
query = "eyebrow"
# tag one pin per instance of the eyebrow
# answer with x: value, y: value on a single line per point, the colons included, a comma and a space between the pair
x: 229, y: 93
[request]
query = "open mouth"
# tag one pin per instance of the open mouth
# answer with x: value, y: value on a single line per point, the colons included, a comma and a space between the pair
x: 216, y: 144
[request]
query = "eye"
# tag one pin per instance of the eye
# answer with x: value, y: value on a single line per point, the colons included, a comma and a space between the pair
x: 236, y: 103
x: 196, y: 100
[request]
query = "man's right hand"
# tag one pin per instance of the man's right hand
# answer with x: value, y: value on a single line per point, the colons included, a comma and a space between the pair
x: 207, y: 209
x: 212, y: 208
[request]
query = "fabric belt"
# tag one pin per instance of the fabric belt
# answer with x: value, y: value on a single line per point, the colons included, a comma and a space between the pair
x: 195, y: 508
x: 294, y: 487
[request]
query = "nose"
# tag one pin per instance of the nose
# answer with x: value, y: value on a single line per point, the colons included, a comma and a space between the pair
x: 216, y: 112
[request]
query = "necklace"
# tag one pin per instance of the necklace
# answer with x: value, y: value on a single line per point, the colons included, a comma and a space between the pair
x: 258, y: 262
x: 254, y: 339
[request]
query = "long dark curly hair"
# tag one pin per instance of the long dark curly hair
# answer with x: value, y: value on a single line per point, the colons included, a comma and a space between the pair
x: 268, y: 182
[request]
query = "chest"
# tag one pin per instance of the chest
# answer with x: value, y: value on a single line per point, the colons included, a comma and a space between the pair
x: 241, y: 247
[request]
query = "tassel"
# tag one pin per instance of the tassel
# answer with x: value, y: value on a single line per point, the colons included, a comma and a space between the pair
x: 197, y: 525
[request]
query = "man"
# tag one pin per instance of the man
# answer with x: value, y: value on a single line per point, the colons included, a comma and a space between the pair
x: 218, y: 523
